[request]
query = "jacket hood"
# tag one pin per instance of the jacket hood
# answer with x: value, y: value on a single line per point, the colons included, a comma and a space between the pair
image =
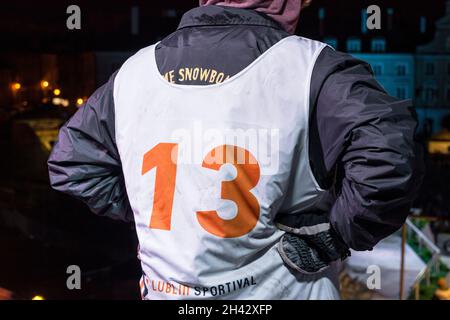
x: 285, y: 12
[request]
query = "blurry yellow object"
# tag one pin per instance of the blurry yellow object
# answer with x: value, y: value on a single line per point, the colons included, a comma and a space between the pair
x: 44, y: 84
x: 443, y: 293
x: 38, y: 298
x: 80, y: 101
x: 442, y: 147
x: 56, y: 92
x: 442, y: 284
x: 16, y: 86
x: 440, y: 142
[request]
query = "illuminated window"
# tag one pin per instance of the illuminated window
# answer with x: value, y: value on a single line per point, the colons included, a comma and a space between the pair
x: 354, y: 45
x: 401, y: 69
x: 430, y: 94
x: 401, y: 92
x: 429, y: 68
x: 377, y: 69
x: 378, y: 45
x: 331, y: 42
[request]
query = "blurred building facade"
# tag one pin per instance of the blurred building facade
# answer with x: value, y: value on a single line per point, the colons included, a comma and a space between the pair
x: 433, y: 74
x: 422, y: 75
x: 395, y: 71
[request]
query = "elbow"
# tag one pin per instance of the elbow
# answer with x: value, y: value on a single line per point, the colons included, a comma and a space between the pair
x: 58, y: 175
x: 56, y: 178
x: 371, y: 210
x: 362, y: 230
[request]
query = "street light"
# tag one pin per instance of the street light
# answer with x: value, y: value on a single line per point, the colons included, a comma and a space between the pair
x: 57, y: 92
x: 16, y: 86
x: 80, y: 101
x: 44, y: 84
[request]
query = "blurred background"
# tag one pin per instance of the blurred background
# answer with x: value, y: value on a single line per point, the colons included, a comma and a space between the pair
x: 47, y: 72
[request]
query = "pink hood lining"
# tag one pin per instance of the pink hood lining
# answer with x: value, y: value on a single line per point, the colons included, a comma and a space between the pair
x: 285, y: 12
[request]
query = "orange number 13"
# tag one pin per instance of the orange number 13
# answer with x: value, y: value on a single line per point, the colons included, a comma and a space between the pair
x: 164, y: 156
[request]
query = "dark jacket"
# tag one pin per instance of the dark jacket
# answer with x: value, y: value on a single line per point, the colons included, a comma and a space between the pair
x: 362, y: 145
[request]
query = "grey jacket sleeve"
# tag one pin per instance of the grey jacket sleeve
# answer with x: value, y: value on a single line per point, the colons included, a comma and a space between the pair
x: 367, y: 137
x: 85, y: 162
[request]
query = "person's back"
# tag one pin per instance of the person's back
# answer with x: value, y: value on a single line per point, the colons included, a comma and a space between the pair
x: 210, y: 167
x: 217, y: 135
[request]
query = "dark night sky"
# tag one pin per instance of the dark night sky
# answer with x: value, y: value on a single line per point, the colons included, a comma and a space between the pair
x: 41, y: 25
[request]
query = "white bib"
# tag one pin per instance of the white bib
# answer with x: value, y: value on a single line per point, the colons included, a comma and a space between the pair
x: 207, y: 169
